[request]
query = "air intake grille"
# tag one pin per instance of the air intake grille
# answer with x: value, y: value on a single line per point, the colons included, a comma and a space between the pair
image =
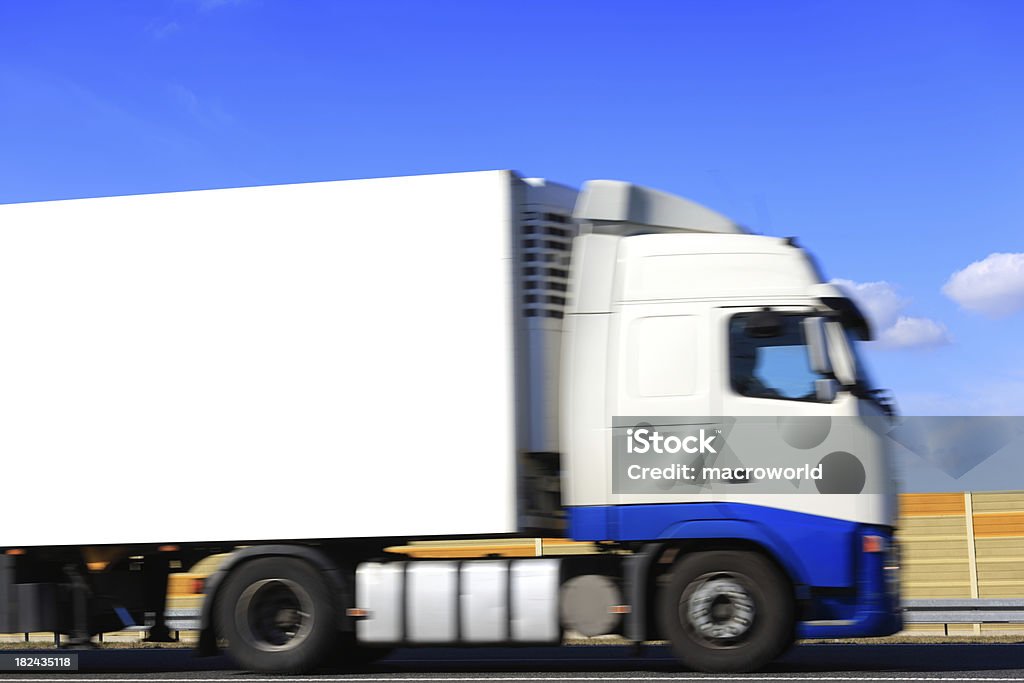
x: 545, y: 241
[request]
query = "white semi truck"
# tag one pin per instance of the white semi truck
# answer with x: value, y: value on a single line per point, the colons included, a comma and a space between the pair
x: 308, y: 375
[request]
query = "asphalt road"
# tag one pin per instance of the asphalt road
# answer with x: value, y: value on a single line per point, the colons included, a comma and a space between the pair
x: 967, y: 662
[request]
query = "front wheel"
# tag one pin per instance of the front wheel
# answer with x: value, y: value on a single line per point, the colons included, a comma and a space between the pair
x: 727, y: 611
x: 277, y: 615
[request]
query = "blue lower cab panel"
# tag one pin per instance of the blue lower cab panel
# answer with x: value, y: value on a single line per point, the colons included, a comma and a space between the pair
x: 817, y: 551
x: 872, y: 608
x: 848, y: 590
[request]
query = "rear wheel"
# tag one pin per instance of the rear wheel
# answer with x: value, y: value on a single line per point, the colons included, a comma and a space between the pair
x: 727, y: 611
x: 277, y: 615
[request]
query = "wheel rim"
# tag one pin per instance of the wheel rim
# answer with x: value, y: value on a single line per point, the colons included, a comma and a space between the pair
x: 718, y: 609
x: 274, y: 615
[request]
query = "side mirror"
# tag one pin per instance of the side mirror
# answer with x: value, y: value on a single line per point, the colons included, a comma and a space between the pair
x: 817, y: 345
x: 764, y: 324
x: 825, y: 390
x: 844, y: 365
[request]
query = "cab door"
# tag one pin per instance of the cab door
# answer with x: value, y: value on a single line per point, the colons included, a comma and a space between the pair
x: 773, y: 416
x: 766, y: 372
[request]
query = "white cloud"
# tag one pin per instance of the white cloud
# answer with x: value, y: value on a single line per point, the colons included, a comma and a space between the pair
x: 879, y: 301
x: 909, y: 332
x: 884, y: 308
x: 161, y: 29
x: 993, y: 286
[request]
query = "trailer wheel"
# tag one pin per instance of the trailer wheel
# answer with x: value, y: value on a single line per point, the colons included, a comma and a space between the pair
x: 277, y: 615
x: 727, y: 611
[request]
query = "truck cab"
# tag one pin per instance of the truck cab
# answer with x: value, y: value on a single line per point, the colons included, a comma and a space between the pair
x: 683, y: 319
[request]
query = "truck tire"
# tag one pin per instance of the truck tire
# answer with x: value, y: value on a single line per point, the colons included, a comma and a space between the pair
x: 727, y: 611
x: 278, y: 616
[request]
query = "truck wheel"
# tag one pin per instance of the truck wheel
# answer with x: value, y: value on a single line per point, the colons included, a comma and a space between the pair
x: 727, y: 611
x: 277, y: 615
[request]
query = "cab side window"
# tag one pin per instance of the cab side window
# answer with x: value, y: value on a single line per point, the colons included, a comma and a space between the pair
x: 770, y: 362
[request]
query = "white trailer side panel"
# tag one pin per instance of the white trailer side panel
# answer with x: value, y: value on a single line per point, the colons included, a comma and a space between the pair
x: 300, y: 361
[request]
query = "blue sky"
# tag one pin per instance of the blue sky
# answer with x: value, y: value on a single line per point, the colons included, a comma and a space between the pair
x: 887, y: 136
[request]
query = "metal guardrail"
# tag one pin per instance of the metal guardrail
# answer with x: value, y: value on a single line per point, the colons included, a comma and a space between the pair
x: 964, y: 611
x: 182, y: 619
x: 955, y: 611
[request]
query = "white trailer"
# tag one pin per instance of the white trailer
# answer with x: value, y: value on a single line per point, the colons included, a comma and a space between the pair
x: 344, y: 345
